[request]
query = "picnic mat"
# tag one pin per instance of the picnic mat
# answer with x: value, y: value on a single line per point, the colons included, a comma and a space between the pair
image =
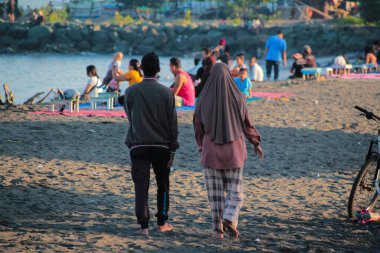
x: 271, y: 95
x: 359, y: 76
x: 118, y: 111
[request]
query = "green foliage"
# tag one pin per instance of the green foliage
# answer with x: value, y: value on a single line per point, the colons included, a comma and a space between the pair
x: 350, y: 20
x: 187, y: 19
x: 56, y: 16
x: 120, y: 20
x: 370, y: 10
x: 235, y: 21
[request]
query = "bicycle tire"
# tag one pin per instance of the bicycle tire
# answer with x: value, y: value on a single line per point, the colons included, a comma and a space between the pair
x: 352, y: 208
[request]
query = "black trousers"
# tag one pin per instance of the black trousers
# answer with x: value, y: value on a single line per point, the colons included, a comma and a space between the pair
x: 276, y: 65
x: 142, y: 158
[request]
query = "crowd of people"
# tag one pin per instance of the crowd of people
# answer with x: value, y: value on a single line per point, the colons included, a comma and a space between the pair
x: 188, y: 85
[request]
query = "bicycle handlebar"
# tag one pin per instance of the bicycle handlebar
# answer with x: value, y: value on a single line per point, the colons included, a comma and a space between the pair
x: 368, y: 115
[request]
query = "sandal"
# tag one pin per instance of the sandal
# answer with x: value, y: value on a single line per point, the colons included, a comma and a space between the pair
x: 364, y: 216
x: 231, y: 230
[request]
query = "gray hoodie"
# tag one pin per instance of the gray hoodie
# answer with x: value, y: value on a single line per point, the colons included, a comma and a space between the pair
x: 152, y: 115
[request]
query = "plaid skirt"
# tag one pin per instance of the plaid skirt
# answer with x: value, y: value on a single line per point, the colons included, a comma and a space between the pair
x: 225, y: 194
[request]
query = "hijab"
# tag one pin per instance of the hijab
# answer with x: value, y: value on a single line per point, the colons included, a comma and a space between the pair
x: 221, y: 107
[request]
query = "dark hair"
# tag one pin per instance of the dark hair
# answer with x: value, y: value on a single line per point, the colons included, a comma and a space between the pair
x: 209, y: 62
x: 134, y: 63
x: 368, y: 49
x: 280, y: 32
x: 241, y: 55
x: 196, y: 61
x: 175, y: 62
x: 206, y: 50
x: 243, y: 69
x: 150, y: 64
x: 91, y: 69
x: 227, y: 49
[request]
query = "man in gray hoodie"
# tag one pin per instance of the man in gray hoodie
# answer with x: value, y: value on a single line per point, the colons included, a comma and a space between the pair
x: 152, y: 139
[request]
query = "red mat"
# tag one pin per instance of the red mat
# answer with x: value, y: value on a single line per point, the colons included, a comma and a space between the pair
x: 358, y: 76
x: 272, y: 94
x: 88, y: 113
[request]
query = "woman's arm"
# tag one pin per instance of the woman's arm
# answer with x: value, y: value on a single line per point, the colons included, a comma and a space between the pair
x: 253, y: 136
x: 199, y: 132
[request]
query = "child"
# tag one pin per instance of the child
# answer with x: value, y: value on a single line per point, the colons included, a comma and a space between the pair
x: 298, y: 64
x: 113, y: 69
x: 243, y: 82
x: 256, y: 73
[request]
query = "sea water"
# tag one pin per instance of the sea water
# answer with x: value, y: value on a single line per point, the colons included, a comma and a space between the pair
x: 31, y: 73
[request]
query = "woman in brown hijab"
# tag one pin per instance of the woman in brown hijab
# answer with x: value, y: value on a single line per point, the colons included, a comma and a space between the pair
x: 220, y: 123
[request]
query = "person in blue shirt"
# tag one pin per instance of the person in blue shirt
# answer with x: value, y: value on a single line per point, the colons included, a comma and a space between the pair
x: 275, y: 53
x: 243, y: 82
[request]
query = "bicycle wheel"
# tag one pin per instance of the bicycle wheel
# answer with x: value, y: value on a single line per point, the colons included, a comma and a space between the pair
x: 363, y: 193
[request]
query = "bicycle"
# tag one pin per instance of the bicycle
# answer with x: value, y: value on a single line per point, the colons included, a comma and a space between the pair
x: 366, y: 188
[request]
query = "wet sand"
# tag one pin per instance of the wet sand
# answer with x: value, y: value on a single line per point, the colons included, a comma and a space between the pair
x: 65, y: 183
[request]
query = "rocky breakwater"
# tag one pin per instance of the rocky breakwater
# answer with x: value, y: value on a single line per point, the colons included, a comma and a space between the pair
x: 169, y: 39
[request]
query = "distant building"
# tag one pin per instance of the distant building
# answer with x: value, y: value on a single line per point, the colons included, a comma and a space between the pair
x: 93, y: 9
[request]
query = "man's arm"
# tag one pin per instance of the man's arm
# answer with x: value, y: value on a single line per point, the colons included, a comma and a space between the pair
x: 284, y: 58
x: 173, y: 123
x: 179, y: 82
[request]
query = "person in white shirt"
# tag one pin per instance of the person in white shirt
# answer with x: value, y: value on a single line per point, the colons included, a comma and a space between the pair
x: 256, y: 73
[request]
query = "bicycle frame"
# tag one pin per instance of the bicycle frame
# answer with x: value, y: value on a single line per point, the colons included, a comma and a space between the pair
x: 374, y: 147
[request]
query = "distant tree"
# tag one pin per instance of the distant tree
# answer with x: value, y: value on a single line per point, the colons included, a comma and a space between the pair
x: 370, y: 10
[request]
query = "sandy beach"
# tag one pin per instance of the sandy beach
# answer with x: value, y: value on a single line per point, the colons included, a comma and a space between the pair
x: 65, y: 183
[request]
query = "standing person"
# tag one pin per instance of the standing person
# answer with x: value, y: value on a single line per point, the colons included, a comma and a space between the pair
x: 256, y: 73
x: 11, y: 10
x: 220, y: 123
x: 275, y: 52
x: 183, y: 88
x: 113, y: 68
x: 152, y: 140
x: 220, y: 51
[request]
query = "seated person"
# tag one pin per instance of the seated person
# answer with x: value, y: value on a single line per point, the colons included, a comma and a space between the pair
x: 243, y: 82
x: 194, y: 70
x: 256, y: 73
x: 134, y: 74
x: 207, y: 65
x: 91, y: 89
x: 309, y: 57
x: 370, y: 57
x: 339, y: 62
x: 235, y: 72
x: 183, y: 88
x: 298, y: 64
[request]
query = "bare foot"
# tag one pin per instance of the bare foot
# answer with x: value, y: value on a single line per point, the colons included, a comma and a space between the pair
x: 165, y: 228
x: 375, y: 217
x: 218, y: 235
x: 231, y: 229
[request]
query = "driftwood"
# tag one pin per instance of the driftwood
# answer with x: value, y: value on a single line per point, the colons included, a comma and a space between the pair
x: 326, y: 16
x: 31, y: 100
x: 43, y: 99
x: 9, y: 98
